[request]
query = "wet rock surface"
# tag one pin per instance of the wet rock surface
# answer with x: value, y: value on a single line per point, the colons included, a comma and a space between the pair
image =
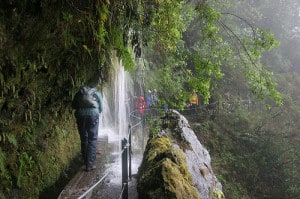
x: 198, y: 161
x: 178, y: 162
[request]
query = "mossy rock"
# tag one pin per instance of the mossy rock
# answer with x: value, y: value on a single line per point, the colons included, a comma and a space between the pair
x: 163, y: 173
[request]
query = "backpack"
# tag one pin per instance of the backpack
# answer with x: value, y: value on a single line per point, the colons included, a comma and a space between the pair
x: 86, y: 98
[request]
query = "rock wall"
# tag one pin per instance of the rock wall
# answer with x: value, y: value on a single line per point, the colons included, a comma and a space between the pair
x: 176, y: 165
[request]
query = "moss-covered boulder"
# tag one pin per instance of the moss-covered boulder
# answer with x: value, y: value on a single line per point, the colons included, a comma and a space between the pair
x: 163, y: 173
x: 176, y: 165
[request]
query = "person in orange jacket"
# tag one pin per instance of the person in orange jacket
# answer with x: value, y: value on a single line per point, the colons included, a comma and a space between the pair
x: 194, y: 100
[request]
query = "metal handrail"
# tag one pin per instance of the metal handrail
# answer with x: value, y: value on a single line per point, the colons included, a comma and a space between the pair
x: 92, y: 187
x: 122, y: 151
x: 121, y: 195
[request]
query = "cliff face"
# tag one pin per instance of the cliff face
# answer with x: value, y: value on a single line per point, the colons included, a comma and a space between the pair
x: 48, y: 49
x: 176, y: 165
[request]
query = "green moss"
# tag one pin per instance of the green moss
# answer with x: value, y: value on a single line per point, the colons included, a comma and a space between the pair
x: 34, y: 153
x: 59, y: 149
x: 42, y: 65
x: 177, y: 181
x: 163, y: 173
x: 164, y: 146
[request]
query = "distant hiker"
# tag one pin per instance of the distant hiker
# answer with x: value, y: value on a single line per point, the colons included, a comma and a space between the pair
x: 193, y: 101
x: 149, y: 99
x: 88, y: 106
x: 154, y: 98
x: 140, y: 105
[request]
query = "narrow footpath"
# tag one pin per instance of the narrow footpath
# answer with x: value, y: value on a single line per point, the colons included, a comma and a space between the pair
x: 105, y: 182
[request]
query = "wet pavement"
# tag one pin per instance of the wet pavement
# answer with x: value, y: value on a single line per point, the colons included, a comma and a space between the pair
x: 104, y: 182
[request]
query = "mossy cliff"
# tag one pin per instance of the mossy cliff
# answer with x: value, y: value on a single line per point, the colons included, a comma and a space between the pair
x: 48, y: 49
x: 176, y: 165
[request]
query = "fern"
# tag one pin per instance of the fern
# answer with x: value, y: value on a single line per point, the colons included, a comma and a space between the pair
x: 26, y: 163
x: 2, y: 160
x: 13, y: 140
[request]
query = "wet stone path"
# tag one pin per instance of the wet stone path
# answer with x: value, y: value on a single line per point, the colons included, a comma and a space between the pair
x: 108, y: 164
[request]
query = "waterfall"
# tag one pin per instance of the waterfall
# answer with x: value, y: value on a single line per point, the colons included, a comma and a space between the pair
x: 114, y: 118
x: 114, y: 121
x: 113, y: 127
x: 114, y: 124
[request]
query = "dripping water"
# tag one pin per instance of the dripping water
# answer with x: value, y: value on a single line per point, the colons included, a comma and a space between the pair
x: 114, y: 123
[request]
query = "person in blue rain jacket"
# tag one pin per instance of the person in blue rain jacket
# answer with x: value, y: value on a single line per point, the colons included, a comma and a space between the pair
x: 87, y: 103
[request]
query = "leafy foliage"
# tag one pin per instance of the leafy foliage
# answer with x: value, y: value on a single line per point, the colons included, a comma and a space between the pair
x: 203, y: 51
x: 182, y: 47
x: 48, y: 50
x: 251, y: 155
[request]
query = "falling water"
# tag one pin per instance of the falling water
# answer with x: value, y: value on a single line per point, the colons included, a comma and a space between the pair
x: 114, y: 122
x: 113, y: 127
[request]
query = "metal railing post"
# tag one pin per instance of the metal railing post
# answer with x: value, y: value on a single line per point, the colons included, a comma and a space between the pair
x: 124, y: 169
x: 129, y: 150
x: 143, y: 134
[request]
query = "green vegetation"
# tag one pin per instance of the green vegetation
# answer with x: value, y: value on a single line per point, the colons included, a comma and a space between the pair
x: 249, y: 155
x: 51, y: 48
x: 48, y: 50
x: 229, y: 59
x: 207, y: 45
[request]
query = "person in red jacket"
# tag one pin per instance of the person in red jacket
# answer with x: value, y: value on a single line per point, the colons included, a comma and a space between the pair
x: 140, y: 105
